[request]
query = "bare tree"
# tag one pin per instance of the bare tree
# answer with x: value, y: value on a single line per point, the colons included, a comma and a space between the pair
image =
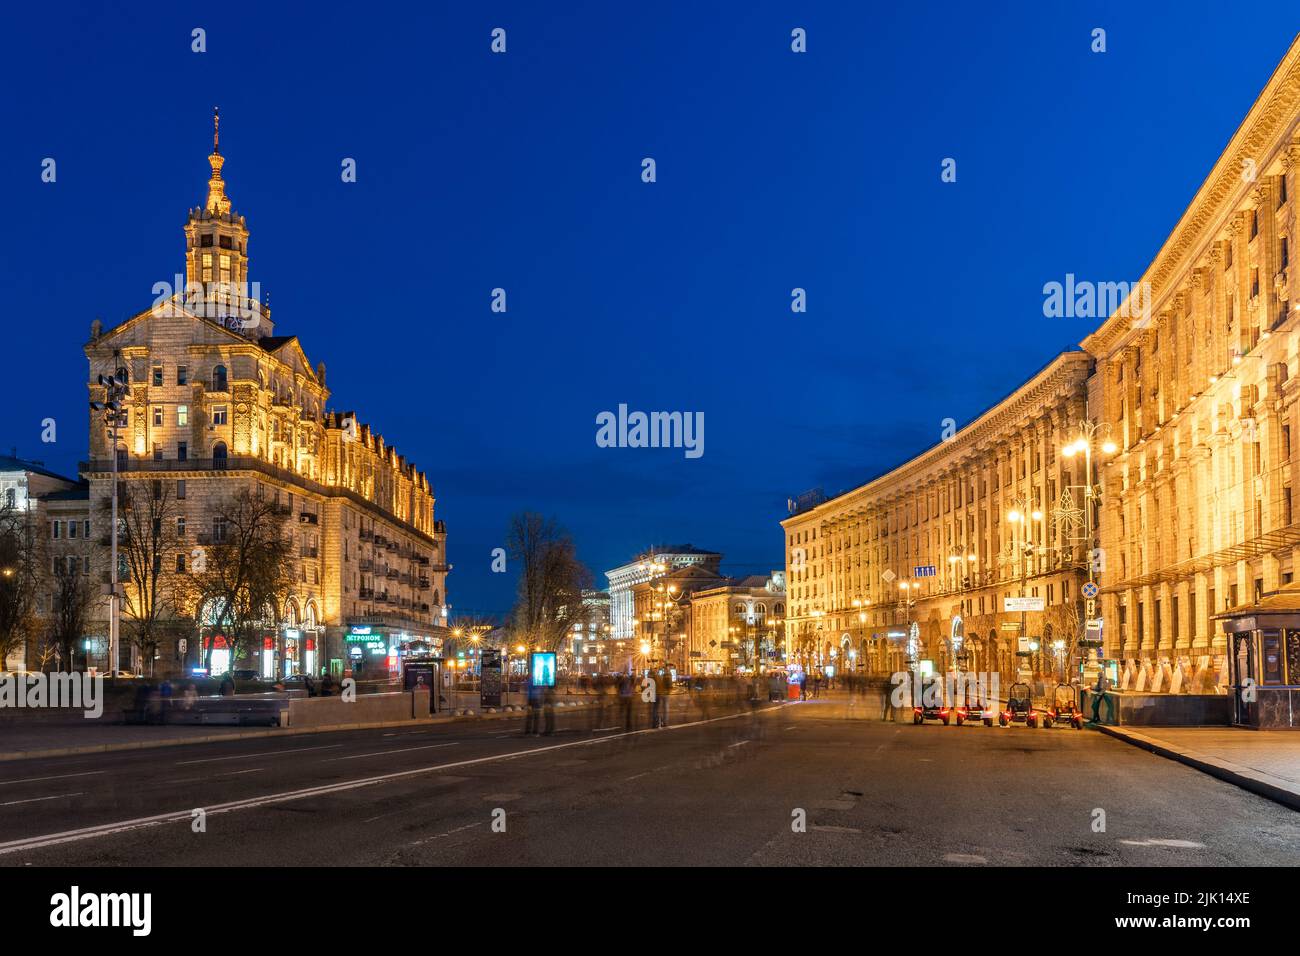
x: 551, y: 580
x: 73, y: 596
x: 21, y: 566
x: 147, y: 544
x: 245, y: 572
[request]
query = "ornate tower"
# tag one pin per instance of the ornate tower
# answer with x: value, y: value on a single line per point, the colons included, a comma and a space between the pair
x: 216, y: 257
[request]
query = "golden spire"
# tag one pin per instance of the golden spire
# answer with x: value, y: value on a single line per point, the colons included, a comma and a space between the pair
x: 218, y: 202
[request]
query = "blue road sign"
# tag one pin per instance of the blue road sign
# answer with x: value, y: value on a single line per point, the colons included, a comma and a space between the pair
x: 923, y: 571
x: 1089, y: 590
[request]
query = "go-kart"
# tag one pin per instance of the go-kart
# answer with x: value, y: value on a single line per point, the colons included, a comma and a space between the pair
x: 1064, y: 708
x: 1020, y: 707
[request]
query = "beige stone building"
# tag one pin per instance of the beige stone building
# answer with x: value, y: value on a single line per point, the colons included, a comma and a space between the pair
x: 1198, y: 514
x: 739, y: 623
x: 218, y: 402
x: 943, y: 525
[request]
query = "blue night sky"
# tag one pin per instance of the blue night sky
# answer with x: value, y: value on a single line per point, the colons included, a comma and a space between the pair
x: 775, y: 171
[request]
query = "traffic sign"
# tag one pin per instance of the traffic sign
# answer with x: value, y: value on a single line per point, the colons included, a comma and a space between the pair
x: 924, y: 571
x: 1024, y: 603
x: 1090, y: 590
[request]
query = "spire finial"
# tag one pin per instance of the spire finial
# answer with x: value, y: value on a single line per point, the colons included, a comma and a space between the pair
x: 216, y: 128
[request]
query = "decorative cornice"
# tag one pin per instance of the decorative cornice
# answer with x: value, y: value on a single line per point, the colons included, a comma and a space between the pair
x: 1268, y: 125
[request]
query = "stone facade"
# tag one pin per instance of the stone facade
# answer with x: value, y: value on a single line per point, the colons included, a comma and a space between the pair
x: 948, y: 509
x: 217, y: 402
x: 1200, y: 394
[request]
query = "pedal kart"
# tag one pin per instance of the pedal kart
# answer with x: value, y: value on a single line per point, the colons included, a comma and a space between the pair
x: 1064, y: 708
x: 939, y: 712
x: 1020, y: 707
x: 975, y: 712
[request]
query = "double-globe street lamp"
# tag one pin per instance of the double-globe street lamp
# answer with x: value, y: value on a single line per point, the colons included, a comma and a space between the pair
x: 1090, y: 434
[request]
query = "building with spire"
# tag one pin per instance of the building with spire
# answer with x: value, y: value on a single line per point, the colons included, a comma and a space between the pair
x: 217, y: 403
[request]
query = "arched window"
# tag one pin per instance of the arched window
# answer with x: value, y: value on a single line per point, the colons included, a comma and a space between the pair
x: 291, y: 612
x: 309, y: 618
x: 219, y: 379
x: 219, y: 455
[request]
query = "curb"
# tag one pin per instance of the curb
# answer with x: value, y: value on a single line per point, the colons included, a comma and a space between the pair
x: 247, y: 735
x: 1256, y: 781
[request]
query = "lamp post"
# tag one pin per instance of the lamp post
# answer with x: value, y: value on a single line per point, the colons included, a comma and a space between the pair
x: 1088, y: 434
x: 115, y: 390
x: 1021, y: 515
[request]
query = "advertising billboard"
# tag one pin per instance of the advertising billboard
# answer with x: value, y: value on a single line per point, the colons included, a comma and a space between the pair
x: 541, y: 668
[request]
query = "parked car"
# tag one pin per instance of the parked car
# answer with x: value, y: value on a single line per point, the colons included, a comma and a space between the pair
x: 246, y: 675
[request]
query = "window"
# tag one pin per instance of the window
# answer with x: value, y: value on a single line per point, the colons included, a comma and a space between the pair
x: 207, y: 261
x: 218, y: 414
x: 11, y: 498
x: 72, y: 529
x: 1254, y: 223
x: 180, y: 489
x: 85, y: 528
x: 206, y: 241
x: 157, y: 416
x: 1281, y: 190
x: 182, y: 451
x: 180, y: 527
x: 180, y: 563
x: 57, y: 529
x: 219, y: 530
x: 224, y: 243
x: 157, y: 452
x: 182, y: 375
x: 219, y: 379
x: 1286, y: 253
x: 157, y: 374
x: 182, y: 415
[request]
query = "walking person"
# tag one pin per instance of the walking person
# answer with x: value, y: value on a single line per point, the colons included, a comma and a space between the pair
x: 663, y: 691
x: 649, y: 694
x: 625, y: 702
x: 1099, y: 694
x: 533, y: 722
x: 887, y: 702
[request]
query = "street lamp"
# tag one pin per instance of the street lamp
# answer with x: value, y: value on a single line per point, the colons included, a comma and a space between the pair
x: 115, y: 392
x: 1090, y: 433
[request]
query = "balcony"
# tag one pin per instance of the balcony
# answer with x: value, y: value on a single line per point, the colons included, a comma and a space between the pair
x: 308, y: 517
x: 366, y: 593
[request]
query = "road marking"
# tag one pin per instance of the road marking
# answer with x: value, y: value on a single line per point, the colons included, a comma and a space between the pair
x: 963, y: 858
x: 175, y: 816
x: 384, y: 753
x: 260, y: 753
x: 236, y: 773
x: 1176, y: 844
x: 636, y: 776
x: 601, y: 730
x: 738, y: 743
x: 468, y: 826
x: 61, y: 776
x: 57, y: 796
x: 836, y: 829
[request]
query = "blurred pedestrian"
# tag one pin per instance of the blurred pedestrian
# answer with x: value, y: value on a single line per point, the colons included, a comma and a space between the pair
x: 625, y: 690
x: 663, y: 691
x: 649, y: 694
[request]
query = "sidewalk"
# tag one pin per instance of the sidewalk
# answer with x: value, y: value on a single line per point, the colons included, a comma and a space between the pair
x: 30, y: 741
x: 1265, y: 762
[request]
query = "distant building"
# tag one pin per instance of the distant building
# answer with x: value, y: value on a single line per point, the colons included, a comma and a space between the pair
x: 738, y: 623
x: 662, y: 609
x: 55, y: 511
x: 639, y: 571
x: 591, y: 647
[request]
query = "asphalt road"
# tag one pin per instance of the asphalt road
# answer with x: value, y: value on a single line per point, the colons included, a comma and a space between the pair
x: 727, y: 788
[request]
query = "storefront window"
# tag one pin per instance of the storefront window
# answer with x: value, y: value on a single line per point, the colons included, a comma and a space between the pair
x: 1271, y: 645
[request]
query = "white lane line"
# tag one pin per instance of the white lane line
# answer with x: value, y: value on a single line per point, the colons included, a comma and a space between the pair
x: 1176, y: 844
x: 468, y: 826
x: 385, y: 753
x: 829, y: 829
x: 61, y: 776
x: 236, y: 773
x: 57, y: 796
x: 260, y: 753
x: 636, y: 776
x: 108, y: 829
x: 738, y: 743
x: 601, y: 730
